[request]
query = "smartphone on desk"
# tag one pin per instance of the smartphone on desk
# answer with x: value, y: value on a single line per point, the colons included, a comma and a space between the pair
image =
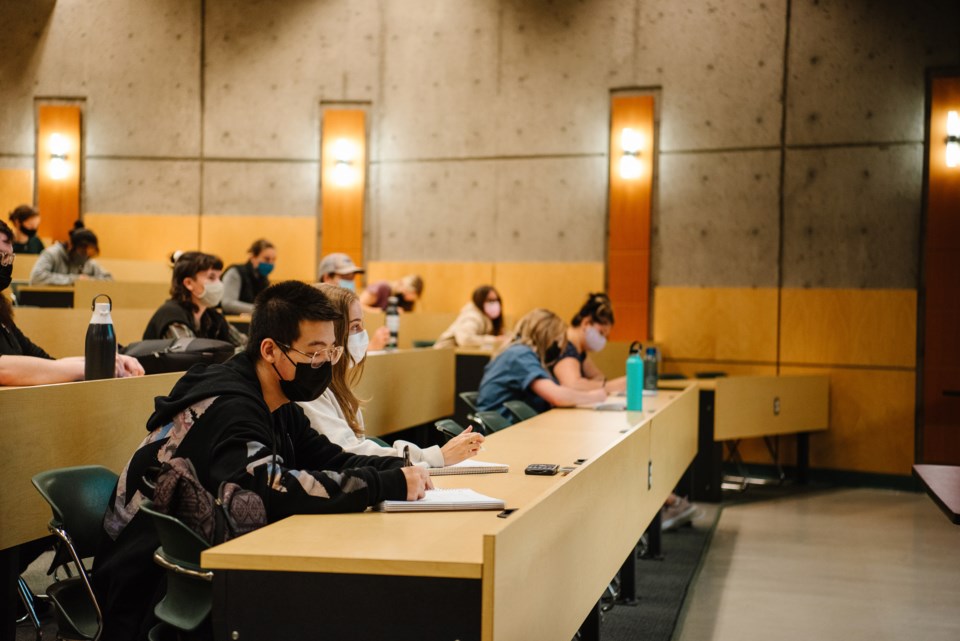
x: 541, y: 469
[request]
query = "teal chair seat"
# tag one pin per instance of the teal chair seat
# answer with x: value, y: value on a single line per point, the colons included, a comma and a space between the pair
x: 492, y: 421
x: 449, y: 428
x: 520, y: 410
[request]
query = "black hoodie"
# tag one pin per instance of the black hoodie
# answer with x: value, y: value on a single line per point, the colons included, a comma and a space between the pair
x: 216, y: 417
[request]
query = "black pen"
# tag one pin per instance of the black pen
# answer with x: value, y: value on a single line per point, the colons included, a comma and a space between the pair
x: 406, y: 456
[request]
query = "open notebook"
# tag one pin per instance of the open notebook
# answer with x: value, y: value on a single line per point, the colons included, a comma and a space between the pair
x: 470, y: 466
x: 443, y: 499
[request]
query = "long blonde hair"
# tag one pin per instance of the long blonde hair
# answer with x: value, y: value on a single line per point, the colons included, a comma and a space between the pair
x: 344, y: 376
x: 538, y: 330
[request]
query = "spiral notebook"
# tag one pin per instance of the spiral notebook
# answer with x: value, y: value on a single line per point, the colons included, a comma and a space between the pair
x: 438, y: 500
x: 470, y: 466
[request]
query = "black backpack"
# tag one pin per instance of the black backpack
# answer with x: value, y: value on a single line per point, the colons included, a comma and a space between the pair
x: 178, y: 354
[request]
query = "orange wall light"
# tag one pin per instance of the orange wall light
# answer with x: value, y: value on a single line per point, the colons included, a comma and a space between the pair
x: 343, y: 181
x: 58, y: 168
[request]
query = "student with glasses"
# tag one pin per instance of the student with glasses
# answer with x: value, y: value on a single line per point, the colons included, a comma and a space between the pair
x: 21, y: 361
x: 336, y: 413
x: 239, y: 421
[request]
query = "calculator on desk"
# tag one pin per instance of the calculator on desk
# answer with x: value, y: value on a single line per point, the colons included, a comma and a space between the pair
x: 542, y: 469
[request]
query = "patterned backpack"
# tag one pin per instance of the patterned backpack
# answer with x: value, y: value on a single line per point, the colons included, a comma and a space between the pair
x: 179, y: 493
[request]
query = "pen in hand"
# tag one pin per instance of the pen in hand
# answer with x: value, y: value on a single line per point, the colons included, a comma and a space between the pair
x: 406, y: 456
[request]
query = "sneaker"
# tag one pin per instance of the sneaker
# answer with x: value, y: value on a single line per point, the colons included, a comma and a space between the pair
x: 678, y: 514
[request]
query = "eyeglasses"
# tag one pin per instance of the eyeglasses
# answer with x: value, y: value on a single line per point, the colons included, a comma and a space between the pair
x: 6, y: 259
x: 319, y: 357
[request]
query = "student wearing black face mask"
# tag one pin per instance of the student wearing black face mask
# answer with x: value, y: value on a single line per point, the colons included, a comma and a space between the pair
x: 64, y: 264
x: 521, y: 369
x: 26, y: 220
x: 236, y: 422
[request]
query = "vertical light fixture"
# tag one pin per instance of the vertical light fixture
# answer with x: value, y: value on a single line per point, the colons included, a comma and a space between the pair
x: 343, y: 157
x: 344, y: 154
x: 59, y: 165
x: 631, y: 142
x: 953, y: 139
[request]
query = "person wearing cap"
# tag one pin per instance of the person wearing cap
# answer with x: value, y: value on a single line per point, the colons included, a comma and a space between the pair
x: 242, y: 283
x: 339, y: 269
x: 407, y: 291
x: 66, y: 263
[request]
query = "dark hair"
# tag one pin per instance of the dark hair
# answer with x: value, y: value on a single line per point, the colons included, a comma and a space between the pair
x: 258, y: 246
x: 188, y: 265
x: 22, y: 214
x: 6, y: 309
x: 597, y: 309
x: 280, y: 308
x: 480, y: 297
x: 80, y: 236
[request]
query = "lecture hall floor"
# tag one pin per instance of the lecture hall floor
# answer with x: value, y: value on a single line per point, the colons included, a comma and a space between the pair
x: 845, y: 564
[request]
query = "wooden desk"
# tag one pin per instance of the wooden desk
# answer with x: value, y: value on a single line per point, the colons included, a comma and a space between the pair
x: 63, y: 332
x: 406, y: 388
x: 469, y: 575
x: 739, y: 407
x: 414, y: 326
x: 942, y: 483
x: 51, y: 426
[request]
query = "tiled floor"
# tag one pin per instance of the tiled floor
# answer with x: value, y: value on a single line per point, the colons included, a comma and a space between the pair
x: 846, y: 564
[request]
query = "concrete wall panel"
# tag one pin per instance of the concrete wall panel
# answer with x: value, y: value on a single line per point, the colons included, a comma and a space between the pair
x: 558, y: 62
x: 261, y: 188
x: 718, y: 220
x: 857, y: 68
x: 269, y: 65
x: 439, y: 80
x: 852, y: 217
x: 720, y: 64
x: 142, y: 187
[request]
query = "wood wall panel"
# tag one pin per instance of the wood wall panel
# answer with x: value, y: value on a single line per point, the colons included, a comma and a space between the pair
x: 16, y: 188
x: 59, y: 200
x: 849, y: 327
x: 560, y: 287
x: 733, y: 324
x: 144, y: 236
x: 229, y: 237
x: 341, y: 205
x: 630, y: 199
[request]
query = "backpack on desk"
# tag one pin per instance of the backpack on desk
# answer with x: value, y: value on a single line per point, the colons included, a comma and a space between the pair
x: 178, y: 354
x: 179, y: 493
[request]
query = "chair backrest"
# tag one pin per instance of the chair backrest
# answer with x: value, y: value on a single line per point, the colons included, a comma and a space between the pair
x: 492, y: 421
x: 520, y: 410
x: 180, y: 544
x: 378, y: 441
x: 470, y: 398
x: 449, y: 428
x: 78, y: 497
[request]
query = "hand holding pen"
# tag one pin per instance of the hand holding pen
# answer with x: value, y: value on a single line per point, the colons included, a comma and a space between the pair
x: 418, y: 478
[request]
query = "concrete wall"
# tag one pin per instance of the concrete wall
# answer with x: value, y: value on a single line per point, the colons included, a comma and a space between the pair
x: 791, y: 132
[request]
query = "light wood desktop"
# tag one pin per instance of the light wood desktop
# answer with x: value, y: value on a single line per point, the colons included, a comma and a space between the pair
x: 124, y: 294
x: 62, y: 331
x: 536, y: 574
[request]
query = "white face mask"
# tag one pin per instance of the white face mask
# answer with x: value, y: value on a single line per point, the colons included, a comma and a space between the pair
x: 357, y: 345
x: 212, y: 293
x: 492, y: 309
x: 594, y: 339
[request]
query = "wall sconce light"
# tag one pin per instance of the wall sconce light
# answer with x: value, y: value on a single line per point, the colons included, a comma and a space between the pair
x: 630, y: 142
x: 58, y: 146
x: 953, y: 139
x: 344, y: 153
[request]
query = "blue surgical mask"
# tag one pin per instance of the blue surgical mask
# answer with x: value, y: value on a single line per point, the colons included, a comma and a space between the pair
x: 264, y: 269
x: 348, y: 284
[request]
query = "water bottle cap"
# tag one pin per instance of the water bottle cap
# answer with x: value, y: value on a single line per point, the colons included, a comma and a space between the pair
x: 635, y: 347
x: 102, y: 308
x: 96, y: 306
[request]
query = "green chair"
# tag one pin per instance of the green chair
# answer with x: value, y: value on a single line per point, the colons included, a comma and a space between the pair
x: 492, y: 421
x: 422, y: 344
x: 470, y: 398
x: 520, y: 410
x: 449, y: 428
x: 378, y: 441
x: 187, y: 603
x: 78, y: 496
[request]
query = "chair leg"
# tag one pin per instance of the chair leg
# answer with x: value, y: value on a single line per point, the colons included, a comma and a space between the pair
x: 26, y: 597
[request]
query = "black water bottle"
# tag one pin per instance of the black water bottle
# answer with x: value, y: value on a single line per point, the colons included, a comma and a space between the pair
x: 393, y: 322
x: 100, y: 355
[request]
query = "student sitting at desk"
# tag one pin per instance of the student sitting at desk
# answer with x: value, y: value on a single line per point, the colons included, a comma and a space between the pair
x: 235, y: 422
x: 64, y: 264
x: 22, y: 362
x: 521, y: 370
x: 588, y: 333
x: 480, y: 323
x: 407, y: 291
x: 195, y: 292
x: 26, y: 220
x: 242, y: 283
x: 336, y: 414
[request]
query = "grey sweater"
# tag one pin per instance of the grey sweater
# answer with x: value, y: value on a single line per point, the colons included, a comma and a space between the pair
x: 54, y: 267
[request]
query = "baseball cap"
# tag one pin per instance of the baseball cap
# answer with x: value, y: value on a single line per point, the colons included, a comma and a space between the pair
x: 339, y: 264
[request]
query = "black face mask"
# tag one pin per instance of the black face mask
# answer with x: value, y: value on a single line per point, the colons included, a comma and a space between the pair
x: 29, y: 233
x: 308, y: 383
x: 552, y: 353
x: 6, y: 275
x: 404, y: 304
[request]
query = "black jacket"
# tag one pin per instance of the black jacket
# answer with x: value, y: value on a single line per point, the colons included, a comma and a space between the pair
x: 212, y: 322
x: 216, y: 417
x: 251, y: 282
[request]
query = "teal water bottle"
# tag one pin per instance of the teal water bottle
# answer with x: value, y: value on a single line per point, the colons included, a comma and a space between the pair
x: 635, y: 378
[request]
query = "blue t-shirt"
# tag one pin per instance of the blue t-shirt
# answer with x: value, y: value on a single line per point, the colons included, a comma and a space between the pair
x: 508, y: 378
